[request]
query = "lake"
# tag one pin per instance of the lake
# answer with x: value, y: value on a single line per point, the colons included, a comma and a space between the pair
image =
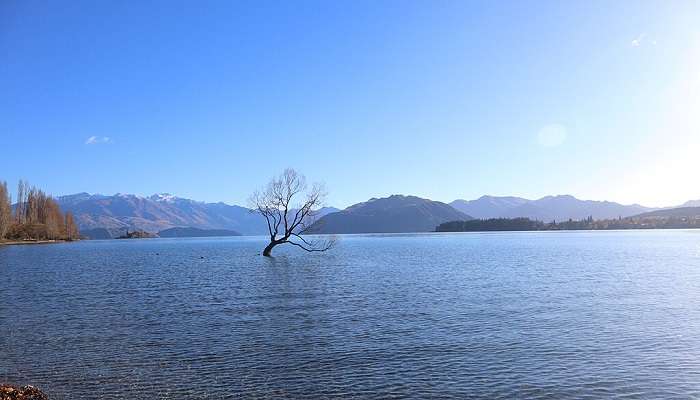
x: 493, y: 315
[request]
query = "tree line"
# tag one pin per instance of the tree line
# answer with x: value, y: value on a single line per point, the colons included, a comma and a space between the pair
x: 526, y: 224
x: 34, y: 216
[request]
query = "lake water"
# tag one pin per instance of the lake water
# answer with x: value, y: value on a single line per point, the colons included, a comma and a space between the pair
x: 496, y: 315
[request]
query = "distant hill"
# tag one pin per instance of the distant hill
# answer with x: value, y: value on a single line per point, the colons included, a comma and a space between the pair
x: 680, y: 212
x: 157, y: 213
x: 488, y: 206
x: 195, y: 232
x: 98, y: 233
x: 394, y: 214
x: 546, y: 209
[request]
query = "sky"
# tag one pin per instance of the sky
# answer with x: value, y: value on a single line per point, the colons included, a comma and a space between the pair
x: 439, y: 99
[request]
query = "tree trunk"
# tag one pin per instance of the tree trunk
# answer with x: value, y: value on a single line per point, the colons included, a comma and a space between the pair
x: 268, y: 249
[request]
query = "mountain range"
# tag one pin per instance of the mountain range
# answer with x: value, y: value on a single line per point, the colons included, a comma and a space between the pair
x: 159, y: 212
x: 109, y: 216
x: 547, y: 209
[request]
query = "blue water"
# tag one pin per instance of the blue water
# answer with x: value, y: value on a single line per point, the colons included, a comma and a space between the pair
x: 497, y: 315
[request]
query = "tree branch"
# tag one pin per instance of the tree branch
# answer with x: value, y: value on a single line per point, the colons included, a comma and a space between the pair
x: 311, y: 250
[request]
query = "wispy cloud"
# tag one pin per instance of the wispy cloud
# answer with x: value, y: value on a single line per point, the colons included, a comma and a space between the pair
x: 636, y: 42
x: 642, y: 39
x: 98, y: 140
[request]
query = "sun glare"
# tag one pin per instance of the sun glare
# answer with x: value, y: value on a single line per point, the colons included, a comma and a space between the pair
x: 673, y: 147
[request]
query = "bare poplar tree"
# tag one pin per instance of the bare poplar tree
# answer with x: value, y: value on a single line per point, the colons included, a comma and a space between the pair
x: 53, y: 220
x: 5, y: 210
x: 20, y: 210
x: 34, y: 199
x: 71, y: 228
x: 289, y: 207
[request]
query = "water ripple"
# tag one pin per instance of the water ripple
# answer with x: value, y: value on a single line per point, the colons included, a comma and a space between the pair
x: 523, y: 315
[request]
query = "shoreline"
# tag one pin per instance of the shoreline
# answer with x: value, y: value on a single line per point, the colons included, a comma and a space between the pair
x: 28, y: 242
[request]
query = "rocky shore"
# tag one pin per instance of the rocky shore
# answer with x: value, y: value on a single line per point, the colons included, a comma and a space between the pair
x: 8, y: 392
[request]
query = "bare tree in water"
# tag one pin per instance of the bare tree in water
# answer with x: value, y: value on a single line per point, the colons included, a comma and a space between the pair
x: 289, y: 207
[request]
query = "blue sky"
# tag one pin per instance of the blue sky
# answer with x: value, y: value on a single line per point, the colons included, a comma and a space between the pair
x: 443, y: 100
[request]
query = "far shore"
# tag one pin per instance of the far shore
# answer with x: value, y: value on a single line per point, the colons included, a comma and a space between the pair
x: 22, y: 242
